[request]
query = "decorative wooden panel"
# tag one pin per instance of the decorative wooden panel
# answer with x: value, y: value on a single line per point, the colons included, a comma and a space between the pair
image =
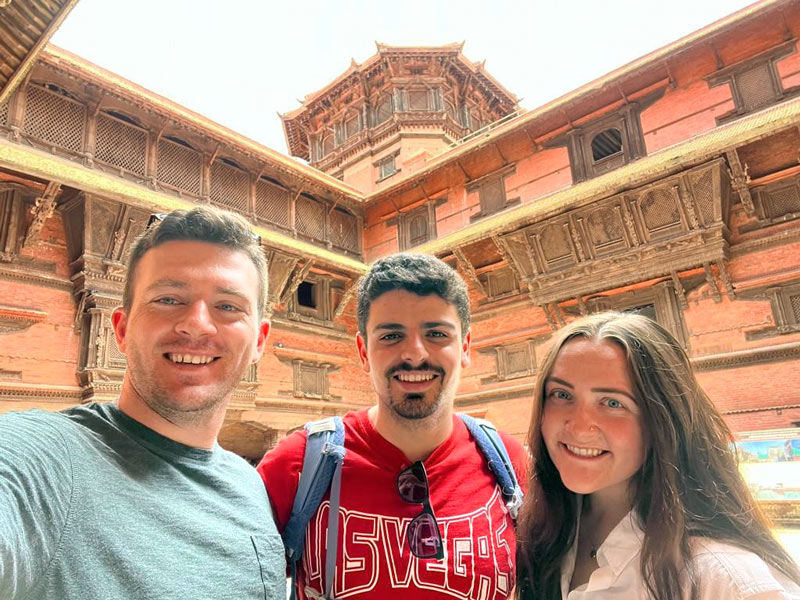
x: 310, y: 217
x: 384, y: 110
x: 794, y: 303
x: 179, y: 167
x: 702, y: 183
x: 756, y: 87
x: 54, y: 118
x: 3, y: 113
x: 272, y: 203
x: 418, y: 229
x: 343, y: 230
x: 782, y: 201
x: 555, y: 244
x: 418, y: 99
x: 605, y: 229
x: 121, y: 144
x: 230, y: 187
x: 659, y: 210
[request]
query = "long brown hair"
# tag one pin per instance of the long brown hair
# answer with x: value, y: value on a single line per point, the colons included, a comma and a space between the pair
x: 689, y: 484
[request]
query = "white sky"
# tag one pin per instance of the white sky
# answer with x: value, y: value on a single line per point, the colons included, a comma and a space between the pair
x: 239, y: 62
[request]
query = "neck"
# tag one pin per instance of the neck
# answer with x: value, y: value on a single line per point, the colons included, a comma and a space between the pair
x: 417, y: 439
x: 195, y: 430
x: 602, y: 512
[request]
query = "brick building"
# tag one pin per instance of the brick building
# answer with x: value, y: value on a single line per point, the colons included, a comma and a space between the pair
x: 670, y: 186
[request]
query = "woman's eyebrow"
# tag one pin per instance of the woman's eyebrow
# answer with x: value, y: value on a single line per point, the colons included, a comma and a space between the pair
x: 614, y: 391
x: 559, y: 380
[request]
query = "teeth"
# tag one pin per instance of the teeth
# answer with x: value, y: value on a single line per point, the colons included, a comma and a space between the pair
x: 414, y: 377
x: 190, y: 358
x: 589, y: 452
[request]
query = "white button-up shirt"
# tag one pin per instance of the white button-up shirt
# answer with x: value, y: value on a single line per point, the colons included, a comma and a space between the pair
x: 726, y: 572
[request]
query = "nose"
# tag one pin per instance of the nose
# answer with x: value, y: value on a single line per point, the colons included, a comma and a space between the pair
x: 581, y: 422
x: 414, y: 350
x: 196, y: 321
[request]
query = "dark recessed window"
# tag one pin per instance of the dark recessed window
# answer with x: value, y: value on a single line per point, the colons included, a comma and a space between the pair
x: 178, y: 141
x: 646, y: 310
x: 606, y: 143
x: 122, y: 117
x: 306, y: 296
x: 387, y: 168
x: 230, y: 162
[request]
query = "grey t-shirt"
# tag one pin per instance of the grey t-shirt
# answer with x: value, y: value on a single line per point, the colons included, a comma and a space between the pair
x: 96, y: 506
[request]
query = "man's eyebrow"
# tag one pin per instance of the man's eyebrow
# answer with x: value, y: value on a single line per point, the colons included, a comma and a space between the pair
x: 168, y: 283
x: 232, y: 292
x: 390, y: 326
x: 435, y: 324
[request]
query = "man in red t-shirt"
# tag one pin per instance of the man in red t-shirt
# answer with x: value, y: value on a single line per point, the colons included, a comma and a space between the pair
x: 421, y: 515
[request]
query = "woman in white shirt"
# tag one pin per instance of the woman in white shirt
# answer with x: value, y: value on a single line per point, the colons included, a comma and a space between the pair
x: 635, y: 492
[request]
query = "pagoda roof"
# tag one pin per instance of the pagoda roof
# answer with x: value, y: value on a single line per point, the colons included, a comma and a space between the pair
x: 25, y: 28
x: 294, y: 131
x: 642, y: 74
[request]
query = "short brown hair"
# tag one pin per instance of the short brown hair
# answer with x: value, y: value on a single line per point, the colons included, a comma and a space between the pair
x: 201, y: 224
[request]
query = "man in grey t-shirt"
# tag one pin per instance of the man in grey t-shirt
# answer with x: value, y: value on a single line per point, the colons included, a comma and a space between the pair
x: 136, y: 500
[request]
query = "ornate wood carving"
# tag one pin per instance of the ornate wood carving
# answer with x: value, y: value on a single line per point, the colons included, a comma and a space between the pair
x: 726, y: 280
x: 739, y: 180
x: 679, y: 290
x: 297, y: 279
x: 469, y: 270
x: 281, y: 267
x: 712, y: 282
x: 649, y: 232
x: 349, y: 292
x: 43, y: 209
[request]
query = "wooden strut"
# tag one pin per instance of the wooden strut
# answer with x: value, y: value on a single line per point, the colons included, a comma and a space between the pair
x: 712, y: 282
x: 467, y: 267
x: 726, y: 280
x: 739, y: 181
x: 346, y: 297
x: 297, y: 279
x: 42, y: 210
x: 676, y: 281
x: 502, y: 248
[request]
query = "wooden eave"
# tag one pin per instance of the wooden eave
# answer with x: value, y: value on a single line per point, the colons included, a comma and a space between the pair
x: 25, y: 28
x: 48, y: 167
x: 78, y: 67
x: 666, y: 161
x: 628, y: 79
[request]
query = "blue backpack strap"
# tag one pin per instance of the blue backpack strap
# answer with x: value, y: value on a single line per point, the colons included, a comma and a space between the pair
x: 496, y: 455
x: 322, y: 469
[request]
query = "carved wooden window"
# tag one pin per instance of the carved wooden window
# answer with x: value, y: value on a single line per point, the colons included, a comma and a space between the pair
x: 343, y: 230
x: 327, y: 143
x: 312, y: 300
x: 451, y: 110
x: 120, y: 142
x: 351, y: 126
x: 492, y: 196
x: 178, y: 165
x: 605, y: 144
x: 500, y: 283
x: 387, y: 167
x: 272, y: 202
x: 310, y: 379
x: 418, y: 99
x: 383, y: 111
x: 786, y: 308
x: 309, y: 217
x: 755, y: 83
x: 52, y: 115
x: 778, y: 201
x: 515, y: 360
x: 3, y: 112
x: 230, y: 185
x: 417, y: 226
x: 659, y: 303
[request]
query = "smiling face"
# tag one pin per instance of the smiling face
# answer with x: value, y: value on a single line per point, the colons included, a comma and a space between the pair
x: 191, y: 331
x: 415, y: 353
x: 591, y: 422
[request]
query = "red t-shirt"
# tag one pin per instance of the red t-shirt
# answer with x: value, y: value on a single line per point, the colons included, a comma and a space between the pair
x: 374, y: 560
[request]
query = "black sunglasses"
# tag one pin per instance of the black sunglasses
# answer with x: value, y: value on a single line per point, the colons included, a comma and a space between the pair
x: 158, y: 217
x: 424, y: 539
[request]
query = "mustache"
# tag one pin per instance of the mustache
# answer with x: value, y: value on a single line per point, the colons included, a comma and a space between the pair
x: 426, y: 366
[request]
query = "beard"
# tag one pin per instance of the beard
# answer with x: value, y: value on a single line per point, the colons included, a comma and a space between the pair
x: 416, y: 406
x: 178, y: 400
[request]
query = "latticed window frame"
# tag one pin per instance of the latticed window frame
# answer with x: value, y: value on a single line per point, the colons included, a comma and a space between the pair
x: 299, y: 367
x: 785, y: 301
x: 197, y: 190
x: 220, y: 169
x: 268, y: 192
x: 492, y: 283
x: 764, y: 200
x: 732, y: 75
x: 142, y: 167
x: 80, y: 146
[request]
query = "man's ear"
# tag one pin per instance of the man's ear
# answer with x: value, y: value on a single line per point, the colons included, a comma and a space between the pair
x: 465, y: 347
x: 261, y: 342
x: 119, y: 321
x: 361, y: 344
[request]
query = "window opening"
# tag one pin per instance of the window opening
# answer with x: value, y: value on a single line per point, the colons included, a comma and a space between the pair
x: 606, y: 143
x: 306, y: 296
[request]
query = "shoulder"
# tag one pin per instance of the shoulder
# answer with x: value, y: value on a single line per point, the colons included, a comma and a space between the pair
x: 727, y: 571
x: 34, y: 433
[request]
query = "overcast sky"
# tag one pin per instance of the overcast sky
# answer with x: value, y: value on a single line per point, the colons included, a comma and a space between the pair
x: 240, y: 62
